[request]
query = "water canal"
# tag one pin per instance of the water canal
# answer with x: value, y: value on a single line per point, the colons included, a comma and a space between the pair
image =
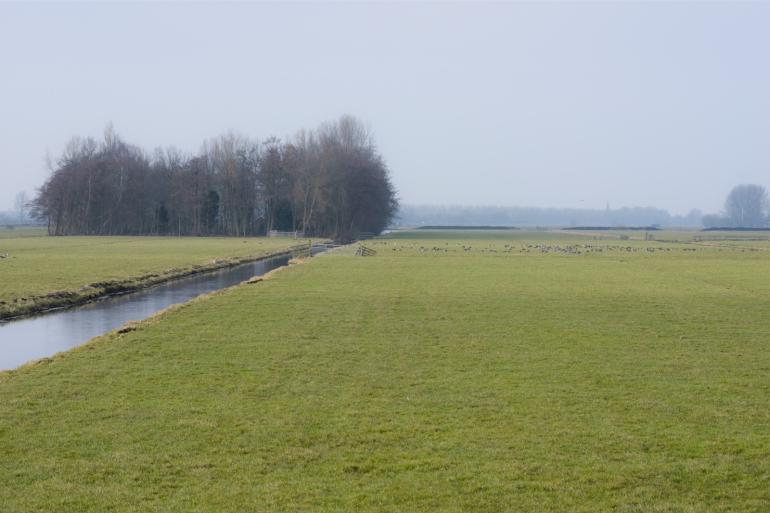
x: 44, y: 335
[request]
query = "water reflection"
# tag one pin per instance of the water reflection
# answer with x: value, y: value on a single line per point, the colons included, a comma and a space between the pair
x: 46, y: 334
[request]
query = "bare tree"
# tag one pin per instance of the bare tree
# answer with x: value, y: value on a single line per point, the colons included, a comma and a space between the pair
x: 747, y: 206
x: 327, y: 182
x: 21, y: 203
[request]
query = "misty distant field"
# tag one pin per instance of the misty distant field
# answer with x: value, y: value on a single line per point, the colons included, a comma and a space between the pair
x: 519, y: 371
x: 37, y: 265
x: 15, y: 233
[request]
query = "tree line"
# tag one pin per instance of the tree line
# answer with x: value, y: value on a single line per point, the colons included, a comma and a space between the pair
x: 421, y: 215
x: 329, y: 182
x: 746, y: 206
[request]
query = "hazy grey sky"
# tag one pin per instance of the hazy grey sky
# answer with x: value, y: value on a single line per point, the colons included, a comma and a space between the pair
x: 532, y: 104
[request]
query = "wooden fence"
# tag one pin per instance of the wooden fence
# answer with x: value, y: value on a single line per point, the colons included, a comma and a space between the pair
x: 364, y: 251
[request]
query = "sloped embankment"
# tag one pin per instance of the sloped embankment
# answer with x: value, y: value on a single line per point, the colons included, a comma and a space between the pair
x: 34, y: 304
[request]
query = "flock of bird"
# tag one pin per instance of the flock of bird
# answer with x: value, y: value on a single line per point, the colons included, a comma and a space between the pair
x: 570, y: 249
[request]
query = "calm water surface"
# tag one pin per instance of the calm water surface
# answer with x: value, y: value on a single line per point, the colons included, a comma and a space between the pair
x: 49, y: 333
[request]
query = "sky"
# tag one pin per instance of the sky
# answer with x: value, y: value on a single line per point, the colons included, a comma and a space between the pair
x: 512, y: 104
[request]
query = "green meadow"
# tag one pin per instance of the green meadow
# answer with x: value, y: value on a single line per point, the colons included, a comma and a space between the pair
x: 487, y: 372
x: 675, y: 235
x: 24, y: 231
x: 41, y: 271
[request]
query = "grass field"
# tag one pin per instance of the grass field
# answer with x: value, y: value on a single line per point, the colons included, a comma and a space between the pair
x: 87, y: 267
x: 26, y: 231
x: 682, y: 235
x: 446, y: 373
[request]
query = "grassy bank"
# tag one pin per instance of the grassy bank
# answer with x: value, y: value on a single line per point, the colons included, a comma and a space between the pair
x: 443, y: 374
x: 41, y: 272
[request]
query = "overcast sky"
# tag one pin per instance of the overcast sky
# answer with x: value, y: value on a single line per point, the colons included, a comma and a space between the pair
x: 549, y: 104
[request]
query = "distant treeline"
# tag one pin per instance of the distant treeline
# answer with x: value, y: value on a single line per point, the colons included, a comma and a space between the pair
x: 732, y: 229
x: 329, y: 182
x: 419, y: 215
x: 603, y: 228
x: 13, y: 218
x: 465, y: 227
